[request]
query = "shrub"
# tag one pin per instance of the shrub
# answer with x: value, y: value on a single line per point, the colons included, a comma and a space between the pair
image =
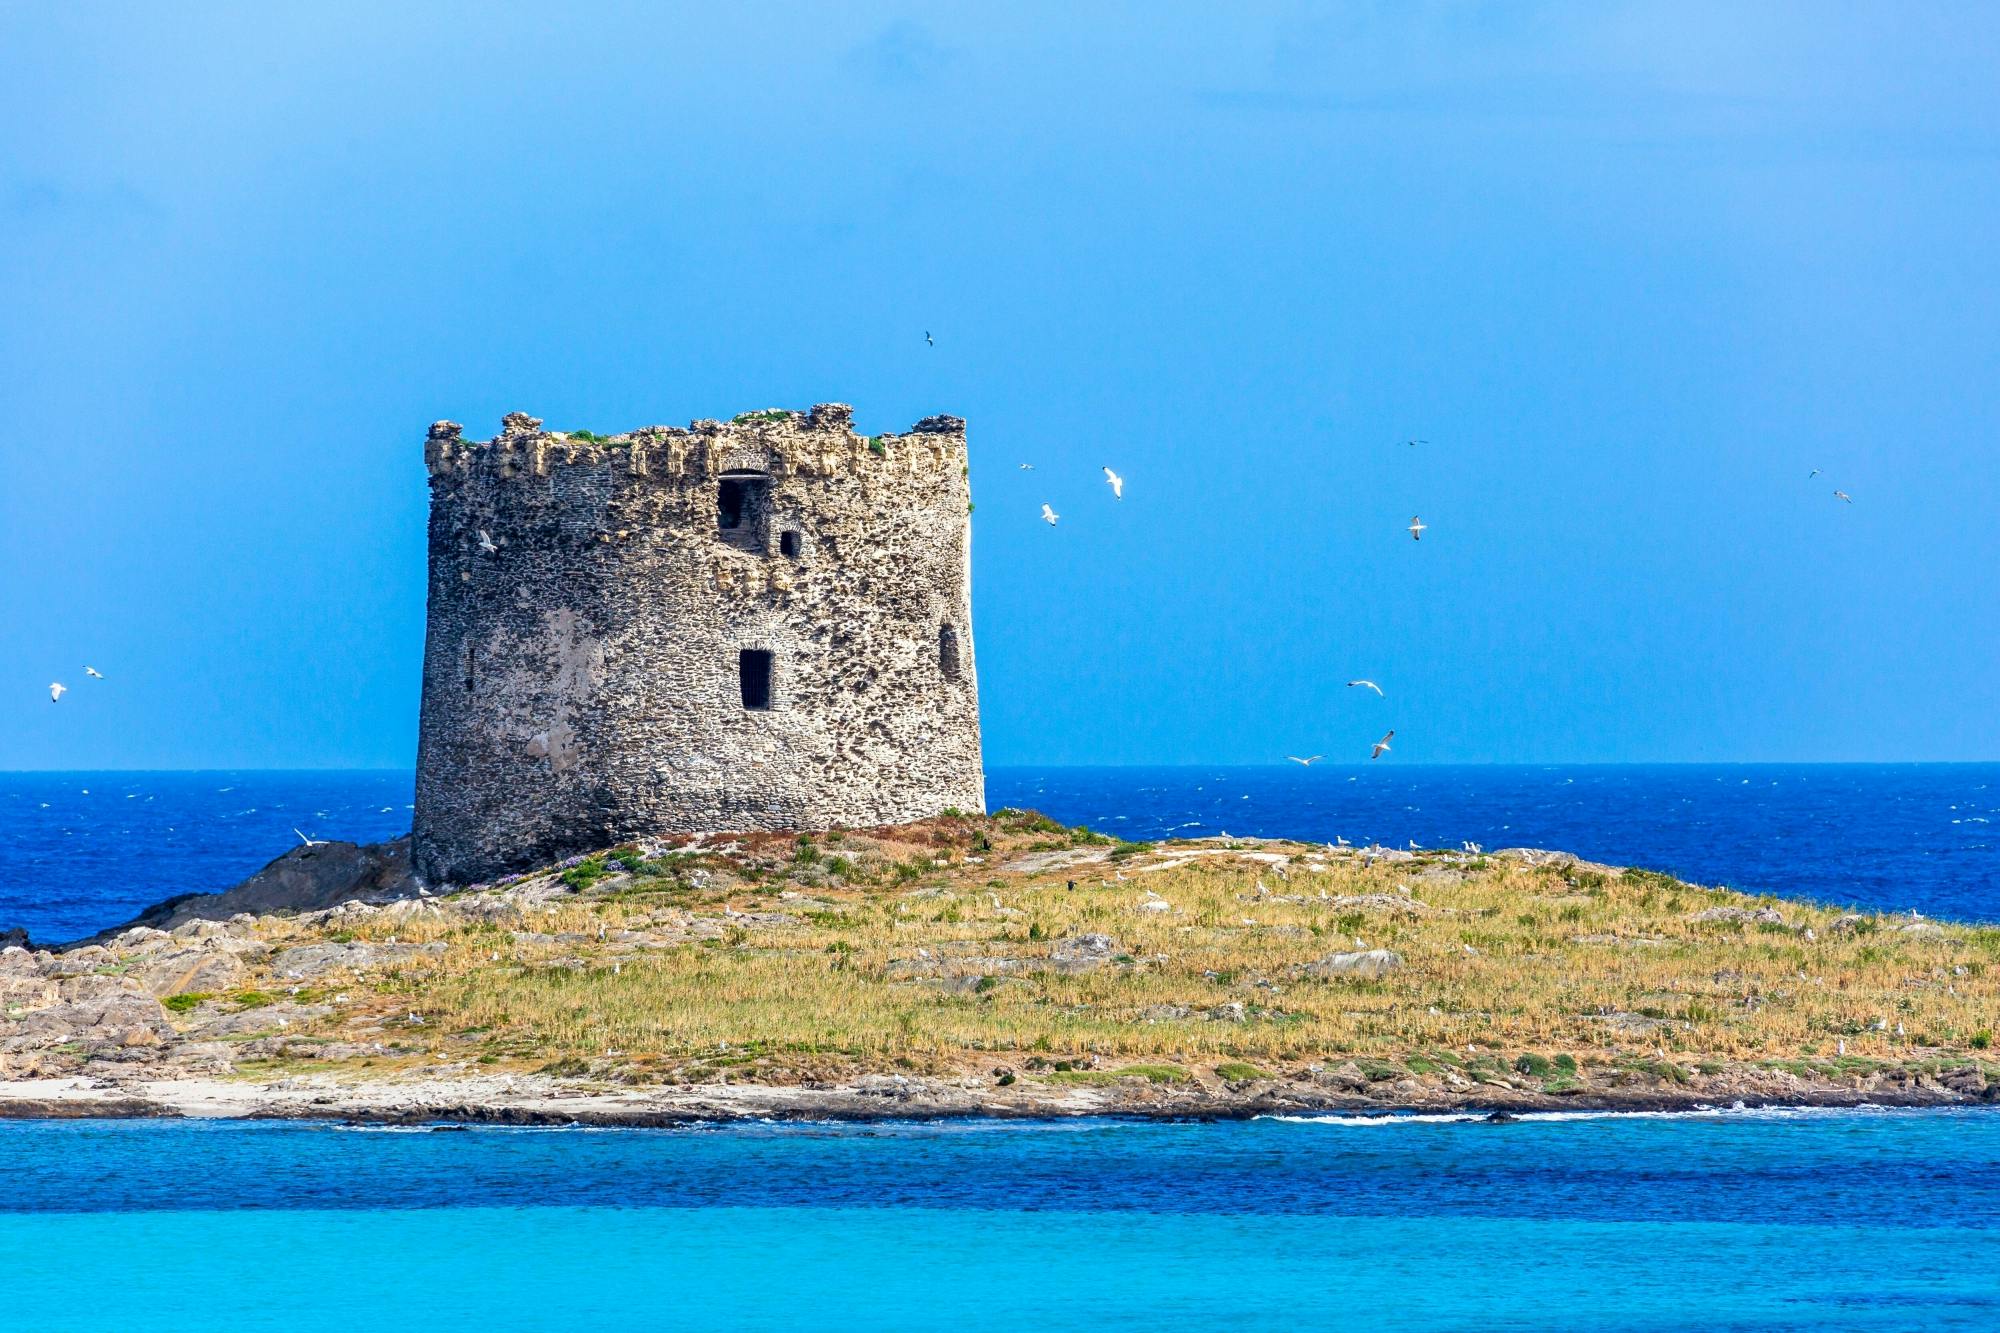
x: 585, y: 873
x: 1535, y: 1066
x: 180, y: 1004
x: 1981, y: 1040
x: 1236, y: 1071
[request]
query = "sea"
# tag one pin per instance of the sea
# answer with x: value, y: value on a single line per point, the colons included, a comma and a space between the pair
x: 1723, y: 1219
x: 83, y: 851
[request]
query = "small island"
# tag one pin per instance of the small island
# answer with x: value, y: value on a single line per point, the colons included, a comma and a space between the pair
x: 998, y: 966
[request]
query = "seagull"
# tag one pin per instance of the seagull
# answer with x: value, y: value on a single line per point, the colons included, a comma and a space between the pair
x: 310, y: 842
x: 1307, y: 762
x: 1116, y: 482
x: 1416, y: 528
x: 1368, y: 684
x: 927, y: 339
x: 1843, y: 495
x: 93, y: 673
x: 1342, y: 842
x: 1381, y: 746
x: 1049, y: 516
x: 56, y: 690
x: 1027, y: 467
x: 1414, y: 443
x: 486, y: 542
x: 1810, y: 475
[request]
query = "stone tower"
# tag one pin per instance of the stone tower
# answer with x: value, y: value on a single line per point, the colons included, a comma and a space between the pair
x: 759, y: 625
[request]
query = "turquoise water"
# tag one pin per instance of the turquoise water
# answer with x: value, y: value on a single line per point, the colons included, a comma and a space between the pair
x: 1869, y: 1220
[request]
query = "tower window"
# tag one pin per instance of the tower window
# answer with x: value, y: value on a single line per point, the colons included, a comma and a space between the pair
x: 753, y: 675
x: 948, y: 651
x: 742, y: 504
x: 788, y: 543
x: 470, y: 679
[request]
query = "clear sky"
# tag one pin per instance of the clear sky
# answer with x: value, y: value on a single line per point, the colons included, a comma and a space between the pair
x: 1631, y: 271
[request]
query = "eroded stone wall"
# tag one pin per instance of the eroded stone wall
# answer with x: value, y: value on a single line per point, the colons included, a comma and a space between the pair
x: 581, y: 678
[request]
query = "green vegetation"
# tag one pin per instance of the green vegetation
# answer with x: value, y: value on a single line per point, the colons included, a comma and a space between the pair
x: 773, y: 414
x: 1235, y: 1071
x: 187, y: 1000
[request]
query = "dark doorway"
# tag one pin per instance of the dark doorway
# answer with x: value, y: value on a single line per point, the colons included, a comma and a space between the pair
x: 753, y: 675
x: 742, y: 499
x: 789, y: 544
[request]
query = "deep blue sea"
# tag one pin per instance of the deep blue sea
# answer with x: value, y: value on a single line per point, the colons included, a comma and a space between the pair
x: 81, y: 851
x: 1745, y: 1221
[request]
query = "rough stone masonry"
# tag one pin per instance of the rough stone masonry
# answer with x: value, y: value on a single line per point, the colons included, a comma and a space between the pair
x: 764, y: 624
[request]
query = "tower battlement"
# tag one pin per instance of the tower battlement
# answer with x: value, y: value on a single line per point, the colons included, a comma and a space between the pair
x: 761, y: 623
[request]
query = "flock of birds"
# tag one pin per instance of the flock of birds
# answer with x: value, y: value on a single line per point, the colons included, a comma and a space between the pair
x: 57, y: 689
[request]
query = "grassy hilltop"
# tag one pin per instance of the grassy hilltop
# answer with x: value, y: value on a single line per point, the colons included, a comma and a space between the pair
x: 1025, y: 955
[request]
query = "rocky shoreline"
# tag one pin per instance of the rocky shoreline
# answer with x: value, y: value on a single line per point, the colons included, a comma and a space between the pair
x: 332, y: 986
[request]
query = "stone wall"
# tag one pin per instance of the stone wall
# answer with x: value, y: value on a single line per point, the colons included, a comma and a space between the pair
x: 582, y: 679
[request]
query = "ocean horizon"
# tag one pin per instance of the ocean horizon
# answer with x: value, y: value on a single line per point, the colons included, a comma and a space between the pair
x: 80, y: 851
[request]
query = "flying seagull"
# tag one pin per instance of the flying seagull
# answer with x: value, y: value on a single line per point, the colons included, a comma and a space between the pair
x: 1381, y: 746
x: 1117, y: 484
x: 1368, y: 684
x: 1414, y: 443
x: 1049, y: 516
x: 486, y: 542
x: 1306, y: 762
x: 927, y: 339
x: 56, y: 691
x: 1416, y: 528
x: 310, y: 842
x: 93, y: 673
x: 1027, y: 467
x: 1810, y: 475
x: 1843, y: 495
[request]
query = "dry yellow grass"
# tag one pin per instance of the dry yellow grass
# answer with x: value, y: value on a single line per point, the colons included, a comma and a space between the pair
x: 919, y: 949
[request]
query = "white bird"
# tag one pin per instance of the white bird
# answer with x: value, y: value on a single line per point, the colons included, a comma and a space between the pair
x: 93, y: 673
x: 1049, y: 516
x: 1116, y: 482
x: 310, y: 842
x: 1840, y: 1046
x: 1843, y: 495
x: 1027, y: 467
x: 1417, y: 528
x: 486, y: 542
x: 1341, y: 842
x: 1306, y: 762
x: 1368, y: 684
x: 1810, y: 475
x: 927, y: 339
x: 1381, y: 746
x: 56, y: 690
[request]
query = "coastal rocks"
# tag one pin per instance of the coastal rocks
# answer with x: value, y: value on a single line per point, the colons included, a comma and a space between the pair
x: 1365, y: 963
x: 304, y: 879
x: 1081, y: 953
x: 1762, y: 916
x: 49, y: 1021
x: 16, y: 938
x: 310, y: 962
x: 207, y: 969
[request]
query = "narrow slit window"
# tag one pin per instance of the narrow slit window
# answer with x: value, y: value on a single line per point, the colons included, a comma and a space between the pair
x: 948, y: 651
x: 789, y: 544
x: 469, y: 678
x: 753, y: 676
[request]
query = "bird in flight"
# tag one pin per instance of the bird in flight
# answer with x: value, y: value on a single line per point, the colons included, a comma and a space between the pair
x: 1306, y: 762
x: 93, y: 673
x: 1843, y: 495
x: 1116, y: 482
x: 927, y: 339
x: 1382, y: 745
x: 1049, y: 516
x: 56, y: 691
x: 1810, y: 475
x: 1414, y: 443
x: 1368, y: 684
x: 486, y: 542
x: 1027, y: 467
x: 310, y: 842
x: 1417, y: 528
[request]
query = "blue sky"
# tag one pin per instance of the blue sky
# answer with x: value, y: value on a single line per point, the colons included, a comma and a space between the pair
x: 1633, y: 271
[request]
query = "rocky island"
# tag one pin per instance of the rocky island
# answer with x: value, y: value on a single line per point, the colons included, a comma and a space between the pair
x: 1001, y: 966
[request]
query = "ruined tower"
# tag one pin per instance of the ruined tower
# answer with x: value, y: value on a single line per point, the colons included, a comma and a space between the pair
x: 760, y: 625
